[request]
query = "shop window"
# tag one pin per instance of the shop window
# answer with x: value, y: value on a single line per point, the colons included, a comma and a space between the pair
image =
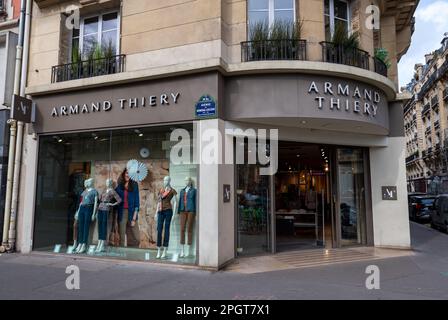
x: 336, y: 14
x: 81, y: 196
x: 269, y: 11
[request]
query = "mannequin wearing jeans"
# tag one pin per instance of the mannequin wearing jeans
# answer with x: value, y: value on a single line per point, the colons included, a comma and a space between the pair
x: 163, y: 216
x: 103, y: 212
x: 187, y: 212
x: 86, y: 214
x: 129, y: 208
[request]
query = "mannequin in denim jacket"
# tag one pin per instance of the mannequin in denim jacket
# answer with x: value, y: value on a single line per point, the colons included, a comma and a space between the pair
x: 90, y: 191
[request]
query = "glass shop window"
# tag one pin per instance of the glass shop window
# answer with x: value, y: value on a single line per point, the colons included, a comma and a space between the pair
x: 116, y: 194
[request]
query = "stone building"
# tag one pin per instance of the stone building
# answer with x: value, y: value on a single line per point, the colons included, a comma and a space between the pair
x: 426, y: 123
x: 117, y: 86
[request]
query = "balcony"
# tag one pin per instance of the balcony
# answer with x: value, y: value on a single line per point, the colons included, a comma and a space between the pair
x: 426, y: 109
x: 270, y: 50
x: 338, y: 54
x: 445, y: 94
x: 88, y: 68
x: 273, y: 50
x: 412, y: 157
x: 434, y: 102
x: 436, y: 76
x: 437, y: 125
x: 380, y: 67
x: 428, y: 131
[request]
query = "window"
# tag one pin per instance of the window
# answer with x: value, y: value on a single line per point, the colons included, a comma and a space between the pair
x: 67, y: 162
x: 337, y: 14
x: 269, y: 11
x: 98, y: 31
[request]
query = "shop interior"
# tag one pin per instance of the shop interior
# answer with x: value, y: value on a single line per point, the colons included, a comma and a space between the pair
x: 301, y: 196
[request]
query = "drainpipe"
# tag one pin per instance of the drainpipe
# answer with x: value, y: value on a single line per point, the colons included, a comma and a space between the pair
x: 20, y: 129
x: 15, y: 145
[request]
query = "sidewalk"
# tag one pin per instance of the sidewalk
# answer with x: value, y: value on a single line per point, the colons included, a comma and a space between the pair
x: 422, y: 275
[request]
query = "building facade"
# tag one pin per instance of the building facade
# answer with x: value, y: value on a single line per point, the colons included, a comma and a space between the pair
x: 9, y: 22
x: 426, y: 124
x: 125, y: 87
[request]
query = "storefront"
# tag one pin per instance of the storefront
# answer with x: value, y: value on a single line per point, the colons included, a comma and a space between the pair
x: 339, y: 148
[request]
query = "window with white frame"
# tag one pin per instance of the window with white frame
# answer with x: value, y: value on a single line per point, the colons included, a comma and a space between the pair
x: 269, y: 11
x: 337, y: 14
x: 98, y: 31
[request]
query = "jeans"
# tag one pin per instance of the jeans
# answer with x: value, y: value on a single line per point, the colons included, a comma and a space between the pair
x: 102, y: 224
x: 164, y: 219
x: 134, y: 239
x: 84, y: 220
x: 186, y: 222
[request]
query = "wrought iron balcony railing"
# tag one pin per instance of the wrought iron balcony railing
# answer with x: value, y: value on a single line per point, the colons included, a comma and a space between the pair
x: 426, y: 109
x: 434, y: 101
x: 273, y: 50
x: 445, y: 94
x: 289, y: 49
x: 88, y: 68
x: 437, y: 125
x: 412, y: 157
x: 349, y: 56
x: 380, y: 67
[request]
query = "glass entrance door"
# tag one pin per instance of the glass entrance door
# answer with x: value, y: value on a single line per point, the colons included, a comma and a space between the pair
x: 350, y: 197
x: 253, y: 196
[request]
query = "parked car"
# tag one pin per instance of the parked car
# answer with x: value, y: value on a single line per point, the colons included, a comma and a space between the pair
x: 439, y: 214
x: 420, y: 207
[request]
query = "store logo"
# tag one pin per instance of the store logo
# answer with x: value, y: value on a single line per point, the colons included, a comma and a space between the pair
x: 165, y: 99
x: 343, y: 97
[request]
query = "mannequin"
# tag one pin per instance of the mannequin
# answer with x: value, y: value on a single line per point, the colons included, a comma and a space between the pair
x: 75, y: 223
x: 164, y: 214
x: 128, y: 209
x: 187, y: 212
x: 103, y: 212
x: 86, y: 214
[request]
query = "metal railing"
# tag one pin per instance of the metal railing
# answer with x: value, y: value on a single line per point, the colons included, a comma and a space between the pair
x: 380, y: 67
x: 445, y: 94
x: 88, y: 68
x: 354, y: 57
x: 426, y: 109
x: 434, y: 101
x: 412, y: 157
x: 437, y: 125
x: 273, y: 50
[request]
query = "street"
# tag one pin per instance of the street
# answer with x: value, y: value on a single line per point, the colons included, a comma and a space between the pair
x: 423, y: 275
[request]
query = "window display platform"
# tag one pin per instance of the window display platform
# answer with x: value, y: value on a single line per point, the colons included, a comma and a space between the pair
x: 123, y: 253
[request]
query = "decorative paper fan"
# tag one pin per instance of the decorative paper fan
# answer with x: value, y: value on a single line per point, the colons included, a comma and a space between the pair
x: 137, y: 171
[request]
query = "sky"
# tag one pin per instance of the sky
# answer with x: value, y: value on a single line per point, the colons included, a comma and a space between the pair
x: 431, y: 22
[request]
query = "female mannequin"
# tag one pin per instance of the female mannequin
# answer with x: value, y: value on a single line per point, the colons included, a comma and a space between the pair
x: 75, y: 223
x: 129, y: 207
x: 187, y: 212
x: 86, y: 214
x: 103, y: 212
x: 164, y: 214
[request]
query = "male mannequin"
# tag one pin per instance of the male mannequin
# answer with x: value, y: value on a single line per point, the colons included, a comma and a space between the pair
x: 187, y: 212
x: 86, y: 214
x: 167, y: 202
x: 103, y: 212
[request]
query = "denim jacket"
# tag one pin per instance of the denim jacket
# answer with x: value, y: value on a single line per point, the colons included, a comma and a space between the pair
x: 191, y: 201
x: 133, y: 201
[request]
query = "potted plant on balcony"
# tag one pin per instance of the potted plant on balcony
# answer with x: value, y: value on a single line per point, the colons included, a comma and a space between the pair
x: 258, y: 37
x: 284, y: 39
x: 344, y: 47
